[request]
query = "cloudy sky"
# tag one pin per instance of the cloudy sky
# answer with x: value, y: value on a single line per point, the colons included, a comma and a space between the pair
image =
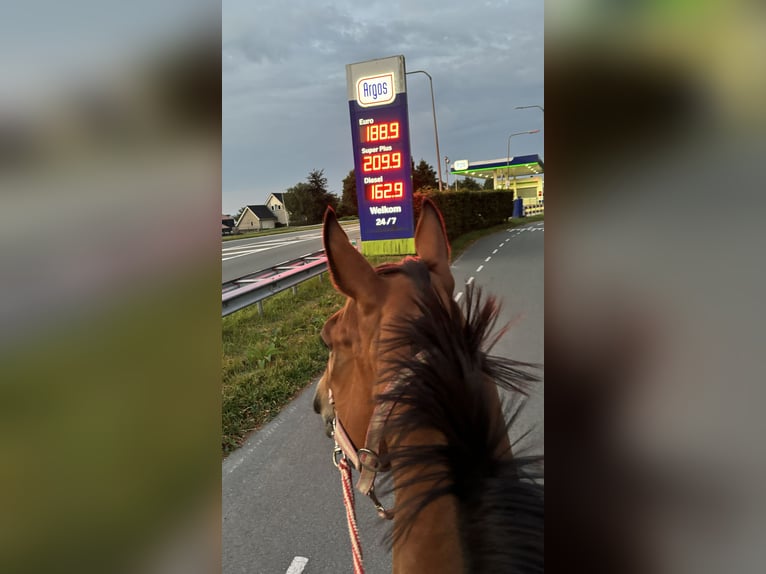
x: 285, y: 110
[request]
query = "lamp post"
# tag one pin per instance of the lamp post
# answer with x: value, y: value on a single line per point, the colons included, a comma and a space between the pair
x: 508, y: 160
x: 532, y: 106
x: 527, y: 107
x: 436, y: 131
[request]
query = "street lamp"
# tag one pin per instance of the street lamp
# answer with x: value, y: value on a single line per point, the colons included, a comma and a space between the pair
x: 532, y: 106
x: 527, y: 107
x: 436, y: 132
x: 508, y: 161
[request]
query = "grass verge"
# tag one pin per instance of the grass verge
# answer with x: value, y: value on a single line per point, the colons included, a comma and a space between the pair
x: 268, y: 359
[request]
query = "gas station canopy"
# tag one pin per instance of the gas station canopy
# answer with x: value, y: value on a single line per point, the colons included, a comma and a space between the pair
x: 519, y: 166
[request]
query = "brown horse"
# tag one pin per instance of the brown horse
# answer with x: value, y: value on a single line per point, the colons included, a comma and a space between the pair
x: 409, y: 379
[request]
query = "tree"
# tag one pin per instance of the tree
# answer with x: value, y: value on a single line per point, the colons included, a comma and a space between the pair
x: 298, y: 204
x: 349, y: 204
x: 317, y: 181
x: 489, y: 183
x: 423, y: 175
x: 322, y: 196
x: 239, y: 213
x: 306, y: 201
x: 468, y: 183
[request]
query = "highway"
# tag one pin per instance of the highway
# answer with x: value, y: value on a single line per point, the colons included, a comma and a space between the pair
x: 282, y: 503
x: 240, y: 257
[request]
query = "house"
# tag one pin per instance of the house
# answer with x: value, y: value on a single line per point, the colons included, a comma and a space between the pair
x: 227, y: 224
x: 276, y: 203
x: 256, y: 218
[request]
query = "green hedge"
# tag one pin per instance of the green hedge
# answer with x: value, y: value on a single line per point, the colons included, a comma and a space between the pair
x: 466, y: 211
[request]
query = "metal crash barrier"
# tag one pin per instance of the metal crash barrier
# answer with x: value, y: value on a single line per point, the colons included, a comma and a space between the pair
x: 256, y: 287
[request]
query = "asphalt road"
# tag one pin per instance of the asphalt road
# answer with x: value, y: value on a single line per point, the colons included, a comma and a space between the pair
x: 510, y: 266
x: 240, y: 257
x: 282, y: 503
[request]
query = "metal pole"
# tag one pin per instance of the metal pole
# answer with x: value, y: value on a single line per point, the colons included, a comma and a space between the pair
x: 446, y: 168
x: 436, y: 130
x: 508, y: 162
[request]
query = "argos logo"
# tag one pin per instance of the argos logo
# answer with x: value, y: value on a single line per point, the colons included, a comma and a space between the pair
x: 375, y: 90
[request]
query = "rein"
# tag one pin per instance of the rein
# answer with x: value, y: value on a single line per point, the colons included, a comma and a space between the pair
x: 365, y: 460
x: 348, y: 500
x: 343, y: 453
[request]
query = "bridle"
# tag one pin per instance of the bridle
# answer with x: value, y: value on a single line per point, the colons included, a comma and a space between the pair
x: 365, y: 460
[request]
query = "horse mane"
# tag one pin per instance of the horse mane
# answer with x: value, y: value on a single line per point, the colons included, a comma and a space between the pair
x: 442, y: 386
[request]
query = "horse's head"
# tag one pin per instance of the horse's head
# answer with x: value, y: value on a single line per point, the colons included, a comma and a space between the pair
x: 377, y: 300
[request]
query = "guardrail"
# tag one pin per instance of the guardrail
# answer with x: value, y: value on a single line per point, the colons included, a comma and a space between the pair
x: 256, y: 287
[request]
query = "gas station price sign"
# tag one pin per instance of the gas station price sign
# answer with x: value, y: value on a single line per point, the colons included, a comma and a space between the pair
x: 381, y: 145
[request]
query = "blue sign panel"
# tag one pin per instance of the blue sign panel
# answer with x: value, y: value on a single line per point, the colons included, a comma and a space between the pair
x: 382, y: 164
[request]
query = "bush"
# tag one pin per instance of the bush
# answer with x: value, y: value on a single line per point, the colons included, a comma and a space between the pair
x: 466, y: 211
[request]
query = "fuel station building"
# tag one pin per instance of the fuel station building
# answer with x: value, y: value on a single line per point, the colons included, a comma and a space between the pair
x: 522, y: 175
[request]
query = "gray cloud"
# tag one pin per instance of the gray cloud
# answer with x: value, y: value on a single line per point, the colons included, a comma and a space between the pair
x: 284, y: 86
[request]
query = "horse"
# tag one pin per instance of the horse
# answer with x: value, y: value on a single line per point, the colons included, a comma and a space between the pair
x: 409, y: 377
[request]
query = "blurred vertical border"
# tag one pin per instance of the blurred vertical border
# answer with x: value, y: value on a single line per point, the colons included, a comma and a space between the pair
x: 110, y: 159
x: 654, y: 285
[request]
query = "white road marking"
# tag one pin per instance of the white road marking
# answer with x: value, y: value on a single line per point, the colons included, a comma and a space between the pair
x: 501, y: 244
x: 271, y: 242
x: 458, y: 296
x: 228, y: 253
x: 479, y: 268
x: 297, y: 565
x: 278, y: 240
x: 470, y: 280
x: 487, y: 259
x: 495, y: 251
x: 250, y: 252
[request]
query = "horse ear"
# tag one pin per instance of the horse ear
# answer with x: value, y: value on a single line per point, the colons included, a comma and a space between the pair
x: 432, y: 245
x: 350, y: 272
